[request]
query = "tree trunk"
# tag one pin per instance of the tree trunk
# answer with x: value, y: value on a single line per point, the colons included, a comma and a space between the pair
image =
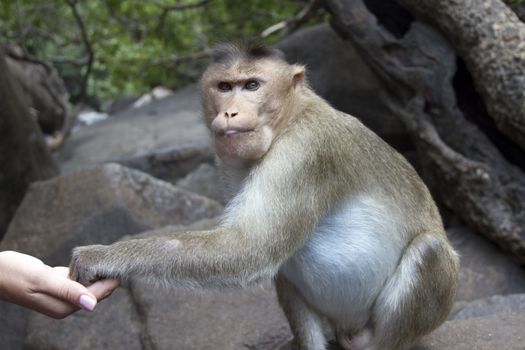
x: 463, y: 168
x: 490, y: 38
x: 43, y: 89
x: 24, y: 157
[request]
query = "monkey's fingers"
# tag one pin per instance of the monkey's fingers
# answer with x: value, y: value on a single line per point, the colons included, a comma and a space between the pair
x: 82, y: 267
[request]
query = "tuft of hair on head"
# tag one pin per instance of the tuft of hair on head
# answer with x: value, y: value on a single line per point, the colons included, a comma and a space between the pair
x: 227, y: 53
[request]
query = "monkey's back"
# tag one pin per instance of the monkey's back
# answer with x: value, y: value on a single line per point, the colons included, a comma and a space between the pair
x: 347, y: 151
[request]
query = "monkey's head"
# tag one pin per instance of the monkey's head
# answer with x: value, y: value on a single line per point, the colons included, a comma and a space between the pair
x: 249, y: 94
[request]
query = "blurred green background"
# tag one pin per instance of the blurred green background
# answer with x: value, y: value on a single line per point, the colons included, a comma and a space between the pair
x: 128, y: 47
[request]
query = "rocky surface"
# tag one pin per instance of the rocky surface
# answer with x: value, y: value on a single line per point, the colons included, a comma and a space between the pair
x: 210, y: 320
x: 203, y: 181
x: 24, y: 156
x: 498, y: 331
x: 141, y: 317
x: 43, y: 89
x: 100, y: 204
x: 173, y: 163
x: 485, y: 270
x: 493, y: 305
x: 168, y: 122
x: 114, y: 325
x: 97, y: 205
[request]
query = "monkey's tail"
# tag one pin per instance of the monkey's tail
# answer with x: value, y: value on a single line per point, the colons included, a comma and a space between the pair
x: 419, y: 295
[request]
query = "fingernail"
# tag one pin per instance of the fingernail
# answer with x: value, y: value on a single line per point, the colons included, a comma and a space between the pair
x: 87, y: 302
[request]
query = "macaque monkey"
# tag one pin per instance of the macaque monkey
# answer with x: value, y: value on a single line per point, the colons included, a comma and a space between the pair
x: 321, y: 204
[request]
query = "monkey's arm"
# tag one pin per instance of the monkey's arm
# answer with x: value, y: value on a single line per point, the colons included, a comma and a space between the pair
x: 201, y: 258
x: 277, y: 209
x: 225, y: 256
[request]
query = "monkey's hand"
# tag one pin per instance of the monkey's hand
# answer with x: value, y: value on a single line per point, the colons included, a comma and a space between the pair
x: 87, y: 264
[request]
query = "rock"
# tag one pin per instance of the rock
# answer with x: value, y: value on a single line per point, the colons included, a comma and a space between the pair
x: 14, y: 321
x: 143, y: 317
x: 211, y: 319
x: 338, y: 73
x: 157, y: 93
x: 98, y: 205
x: 115, y: 324
x: 171, y: 164
x: 519, y: 9
x: 494, y: 305
x: 89, y: 116
x: 24, y: 157
x: 485, y: 269
x: 204, y: 181
x: 119, y: 104
x: 230, y: 319
x: 166, y: 123
x: 44, y: 90
x: 501, y: 331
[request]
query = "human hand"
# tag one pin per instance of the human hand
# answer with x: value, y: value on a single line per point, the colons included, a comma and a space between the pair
x: 27, y: 281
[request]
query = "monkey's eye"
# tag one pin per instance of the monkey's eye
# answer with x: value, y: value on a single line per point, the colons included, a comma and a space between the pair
x: 223, y: 86
x: 252, y: 85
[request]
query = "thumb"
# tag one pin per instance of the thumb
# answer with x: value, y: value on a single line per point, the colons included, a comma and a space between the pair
x: 71, y: 291
x: 87, y: 302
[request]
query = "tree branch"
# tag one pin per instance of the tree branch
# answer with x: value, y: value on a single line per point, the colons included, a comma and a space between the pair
x: 466, y: 171
x: 15, y: 54
x: 177, y: 59
x: 166, y: 9
x: 491, y: 40
x: 132, y: 25
x: 183, y: 7
x: 20, y: 33
x: 290, y: 24
x: 66, y: 60
x: 87, y: 46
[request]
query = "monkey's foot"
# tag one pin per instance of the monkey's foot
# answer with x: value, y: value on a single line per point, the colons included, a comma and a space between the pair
x: 358, y: 341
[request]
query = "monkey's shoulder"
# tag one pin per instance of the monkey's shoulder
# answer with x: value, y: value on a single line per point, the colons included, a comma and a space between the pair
x: 328, y: 132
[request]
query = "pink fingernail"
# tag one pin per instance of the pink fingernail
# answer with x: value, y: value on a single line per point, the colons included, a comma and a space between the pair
x: 87, y: 302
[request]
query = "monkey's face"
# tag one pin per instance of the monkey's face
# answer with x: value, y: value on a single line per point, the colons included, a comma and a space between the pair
x: 246, y: 105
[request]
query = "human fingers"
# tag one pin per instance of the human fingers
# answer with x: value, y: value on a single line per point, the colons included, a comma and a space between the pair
x: 57, y: 284
x: 103, y: 288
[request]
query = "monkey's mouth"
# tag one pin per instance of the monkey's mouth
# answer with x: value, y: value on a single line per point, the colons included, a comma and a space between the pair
x: 237, y: 132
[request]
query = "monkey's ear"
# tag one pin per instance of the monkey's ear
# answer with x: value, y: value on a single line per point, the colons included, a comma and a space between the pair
x: 298, y: 76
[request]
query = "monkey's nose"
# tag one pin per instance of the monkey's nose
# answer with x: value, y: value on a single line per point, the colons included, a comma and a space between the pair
x: 230, y: 114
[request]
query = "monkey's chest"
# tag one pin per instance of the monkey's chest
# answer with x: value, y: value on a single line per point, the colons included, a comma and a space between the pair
x: 344, y: 264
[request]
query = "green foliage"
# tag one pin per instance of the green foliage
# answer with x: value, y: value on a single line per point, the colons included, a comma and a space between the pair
x: 134, y: 41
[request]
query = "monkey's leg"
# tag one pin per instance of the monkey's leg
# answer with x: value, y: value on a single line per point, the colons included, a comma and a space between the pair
x: 306, y: 325
x: 419, y: 296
